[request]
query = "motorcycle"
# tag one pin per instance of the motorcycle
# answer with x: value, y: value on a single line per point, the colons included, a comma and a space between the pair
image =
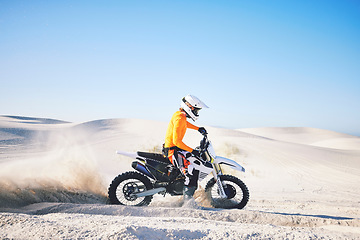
x: 155, y: 174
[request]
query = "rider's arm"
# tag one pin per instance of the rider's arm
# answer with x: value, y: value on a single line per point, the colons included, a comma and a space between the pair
x: 192, y: 126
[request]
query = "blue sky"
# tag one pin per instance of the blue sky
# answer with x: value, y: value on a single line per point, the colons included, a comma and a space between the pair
x: 254, y: 63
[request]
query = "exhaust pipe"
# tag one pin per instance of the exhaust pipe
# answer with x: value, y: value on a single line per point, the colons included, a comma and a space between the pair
x: 141, y: 168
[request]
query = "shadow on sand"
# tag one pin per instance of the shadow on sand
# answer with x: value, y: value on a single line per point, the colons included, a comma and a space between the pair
x: 309, y: 215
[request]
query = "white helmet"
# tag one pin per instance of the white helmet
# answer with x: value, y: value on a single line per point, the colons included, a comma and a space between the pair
x: 192, y: 105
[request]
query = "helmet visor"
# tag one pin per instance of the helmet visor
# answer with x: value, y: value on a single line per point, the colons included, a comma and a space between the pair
x: 195, y: 111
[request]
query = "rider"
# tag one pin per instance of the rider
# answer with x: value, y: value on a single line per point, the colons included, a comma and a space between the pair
x: 175, y: 149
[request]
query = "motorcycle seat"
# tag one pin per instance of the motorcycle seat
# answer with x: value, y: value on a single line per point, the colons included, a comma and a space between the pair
x: 155, y: 156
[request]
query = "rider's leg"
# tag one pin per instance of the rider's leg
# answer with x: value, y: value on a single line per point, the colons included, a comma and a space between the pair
x: 179, y: 160
x: 191, y: 177
x: 191, y: 184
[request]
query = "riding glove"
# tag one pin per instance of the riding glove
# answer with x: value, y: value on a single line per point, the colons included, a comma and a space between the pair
x: 202, y: 130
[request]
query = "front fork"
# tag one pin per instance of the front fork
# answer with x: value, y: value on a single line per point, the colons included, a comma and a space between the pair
x: 217, y: 172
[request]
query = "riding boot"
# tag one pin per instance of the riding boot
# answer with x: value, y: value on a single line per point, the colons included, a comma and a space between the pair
x: 188, y: 193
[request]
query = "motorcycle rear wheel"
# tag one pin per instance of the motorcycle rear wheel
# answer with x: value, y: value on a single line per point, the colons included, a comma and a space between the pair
x: 123, y: 187
x: 236, y: 191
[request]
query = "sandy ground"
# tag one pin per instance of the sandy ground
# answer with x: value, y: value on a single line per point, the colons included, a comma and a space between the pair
x: 304, y: 183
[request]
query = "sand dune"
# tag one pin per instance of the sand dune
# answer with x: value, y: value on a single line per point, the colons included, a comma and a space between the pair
x: 309, y: 136
x: 304, y: 183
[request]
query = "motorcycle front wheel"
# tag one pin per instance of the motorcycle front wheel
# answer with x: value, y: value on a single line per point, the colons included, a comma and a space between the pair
x: 236, y: 191
x: 124, y: 186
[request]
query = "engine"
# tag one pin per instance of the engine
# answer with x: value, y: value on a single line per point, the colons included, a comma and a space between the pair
x: 176, y: 187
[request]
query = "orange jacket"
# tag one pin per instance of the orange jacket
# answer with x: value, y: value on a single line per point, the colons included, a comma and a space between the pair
x: 176, y: 131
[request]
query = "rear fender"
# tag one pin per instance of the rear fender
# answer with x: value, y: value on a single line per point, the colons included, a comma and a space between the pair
x: 128, y: 154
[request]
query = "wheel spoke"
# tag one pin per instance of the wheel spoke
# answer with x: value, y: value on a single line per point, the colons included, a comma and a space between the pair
x: 124, y: 188
x: 227, y: 202
x: 235, y: 190
x: 127, y: 188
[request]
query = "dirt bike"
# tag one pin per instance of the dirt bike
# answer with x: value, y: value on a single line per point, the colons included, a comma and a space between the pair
x: 155, y: 174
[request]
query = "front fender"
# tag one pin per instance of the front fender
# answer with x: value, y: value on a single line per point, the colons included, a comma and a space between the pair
x: 229, y: 162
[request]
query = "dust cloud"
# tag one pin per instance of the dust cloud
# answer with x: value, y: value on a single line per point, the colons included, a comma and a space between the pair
x: 63, y: 169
